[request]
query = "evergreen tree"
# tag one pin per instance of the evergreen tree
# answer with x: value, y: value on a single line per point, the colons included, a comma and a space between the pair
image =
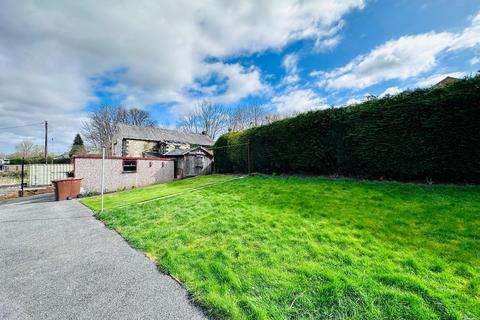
x: 78, y: 141
x: 77, y: 146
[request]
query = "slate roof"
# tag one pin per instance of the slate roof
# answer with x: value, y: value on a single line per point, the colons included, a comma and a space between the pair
x: 125, y: 131
x: 177, y: 152
x: 181, y: 152
x: 445, y: 82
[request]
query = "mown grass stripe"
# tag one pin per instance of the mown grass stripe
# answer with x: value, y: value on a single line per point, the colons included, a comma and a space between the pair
x: 179, y: 193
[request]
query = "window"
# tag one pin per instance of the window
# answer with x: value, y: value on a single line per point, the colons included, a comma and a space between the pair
x: 129, y: 165
x: 162, y: 148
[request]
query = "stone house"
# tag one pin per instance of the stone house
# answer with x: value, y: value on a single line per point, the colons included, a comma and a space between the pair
x: 134, y: 141
x: 445, y: 82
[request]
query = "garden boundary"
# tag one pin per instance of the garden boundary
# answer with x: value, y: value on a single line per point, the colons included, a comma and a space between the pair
x: 422, y: 135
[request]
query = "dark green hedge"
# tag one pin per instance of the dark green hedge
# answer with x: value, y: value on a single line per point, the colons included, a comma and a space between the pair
x: 38, y: 160
x: 416, y: 135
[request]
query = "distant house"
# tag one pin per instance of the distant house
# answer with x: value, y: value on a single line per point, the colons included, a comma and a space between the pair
x: 445, y: 82
x: 134, y: 141
x: 189, y: 151
x: 191, y: 162
x: 3, y: 163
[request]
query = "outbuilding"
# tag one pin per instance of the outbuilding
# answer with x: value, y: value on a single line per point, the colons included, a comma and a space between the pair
x: 191, y: 162
x: 121, y: 172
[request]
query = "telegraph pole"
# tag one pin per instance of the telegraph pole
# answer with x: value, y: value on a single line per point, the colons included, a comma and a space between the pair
x: 102, y: 185
x: 46, y: 141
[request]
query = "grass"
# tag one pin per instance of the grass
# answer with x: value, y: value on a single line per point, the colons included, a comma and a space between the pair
x: 124, y: 198
x: 313, y: 248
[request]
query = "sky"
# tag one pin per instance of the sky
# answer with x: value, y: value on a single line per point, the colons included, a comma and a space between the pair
x: 60, y: 60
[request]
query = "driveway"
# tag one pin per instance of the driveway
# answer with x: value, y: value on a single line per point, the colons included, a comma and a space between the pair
x: 58, y: 262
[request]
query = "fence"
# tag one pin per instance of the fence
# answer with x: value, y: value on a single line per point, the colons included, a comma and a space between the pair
x: 12, y: 168
x: 240, y: 152
x: 43, y: 174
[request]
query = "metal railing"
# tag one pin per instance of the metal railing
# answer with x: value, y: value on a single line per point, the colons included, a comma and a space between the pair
x: 43, y: 174
x: 34, y: 175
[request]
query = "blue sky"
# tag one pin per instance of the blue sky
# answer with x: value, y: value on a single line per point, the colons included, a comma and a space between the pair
x: 165, y: 57
x: 364, y: 30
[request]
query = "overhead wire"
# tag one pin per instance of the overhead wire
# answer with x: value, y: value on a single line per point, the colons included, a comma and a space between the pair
x: 24, y: 125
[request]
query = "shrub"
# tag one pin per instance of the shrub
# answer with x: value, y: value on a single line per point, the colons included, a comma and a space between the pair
x: 421, y: 134
x: 38, y: 160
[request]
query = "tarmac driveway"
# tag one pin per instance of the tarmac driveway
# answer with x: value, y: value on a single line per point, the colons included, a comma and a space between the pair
x: 58, y: 262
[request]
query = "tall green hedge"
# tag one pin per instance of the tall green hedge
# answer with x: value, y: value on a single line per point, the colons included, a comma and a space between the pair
x: 416, y: 135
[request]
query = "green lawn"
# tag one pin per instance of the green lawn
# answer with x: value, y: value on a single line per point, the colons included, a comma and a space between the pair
x: 313, y: 248
x: 124, y: 198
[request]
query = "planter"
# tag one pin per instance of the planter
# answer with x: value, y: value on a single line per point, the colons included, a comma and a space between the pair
x: 66, y: 189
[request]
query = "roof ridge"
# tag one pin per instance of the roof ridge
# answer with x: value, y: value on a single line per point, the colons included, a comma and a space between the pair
x: 126, y: 131
x: 161, y: 128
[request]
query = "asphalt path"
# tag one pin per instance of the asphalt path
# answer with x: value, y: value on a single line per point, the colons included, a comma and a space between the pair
x: 58, y: 262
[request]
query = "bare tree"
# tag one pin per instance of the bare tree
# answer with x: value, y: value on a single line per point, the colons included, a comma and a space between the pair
x: 249, y: 116
x: 27, y: 149
x: 257, y: 114
x: 207, y: 118
x: 238, y: 119
x: 135, y: 117
x: 213, y: 119
x: 102, y: 124
x: 272, y: 117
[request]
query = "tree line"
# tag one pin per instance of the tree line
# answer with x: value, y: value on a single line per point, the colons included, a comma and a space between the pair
x: 214, y: 119
x: 206, y: 117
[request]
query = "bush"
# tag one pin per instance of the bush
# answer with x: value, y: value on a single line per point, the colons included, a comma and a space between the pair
x: 38, y: 160
x: 421, y: 134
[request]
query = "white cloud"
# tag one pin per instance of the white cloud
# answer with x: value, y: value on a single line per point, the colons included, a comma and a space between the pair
x: 391, y: 91
x: 355, y: 101
x: 330, y: 43
x: 50, y: 50
x: 474, y: 61
x: 470, y: 37
x: 290, y: 64
x: 296, y: 101
x: 331, y: 39
x: 402, y: 58
x: 233, y: 82
x: 396, y: 59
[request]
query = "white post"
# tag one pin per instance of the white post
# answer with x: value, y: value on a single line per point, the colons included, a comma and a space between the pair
x: 103, y: 179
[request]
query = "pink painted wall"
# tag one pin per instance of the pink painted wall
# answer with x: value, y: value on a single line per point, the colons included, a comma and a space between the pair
x: 149, y: 171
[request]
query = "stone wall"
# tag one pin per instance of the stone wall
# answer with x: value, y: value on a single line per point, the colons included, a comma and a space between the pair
x: 172, y: 146
x: 136, y: 148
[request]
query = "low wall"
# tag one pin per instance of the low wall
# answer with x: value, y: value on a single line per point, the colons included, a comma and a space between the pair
x: 149, y: 171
